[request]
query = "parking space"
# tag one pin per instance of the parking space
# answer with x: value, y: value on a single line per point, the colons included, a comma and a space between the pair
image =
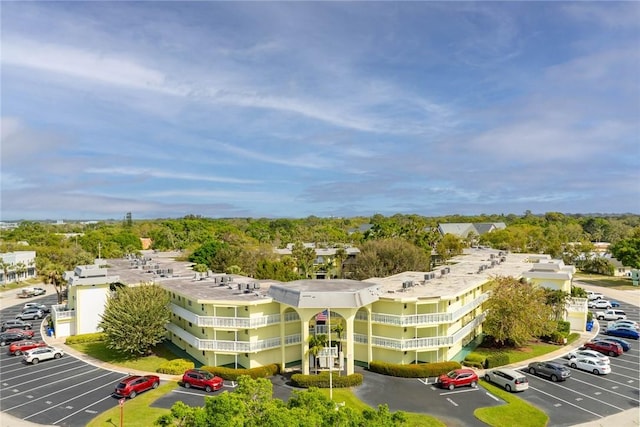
x: 64, y: 392
x: 585, y: 396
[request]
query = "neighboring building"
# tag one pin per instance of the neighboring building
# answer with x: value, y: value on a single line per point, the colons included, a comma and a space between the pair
x: 620, y: 270
x: 88, y: 288
x: 17, y: 266
x: 324, y: 257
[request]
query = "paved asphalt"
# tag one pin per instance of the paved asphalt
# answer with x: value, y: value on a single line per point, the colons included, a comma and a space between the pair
x: 78, y: 388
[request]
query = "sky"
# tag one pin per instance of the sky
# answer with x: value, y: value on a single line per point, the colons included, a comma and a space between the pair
x: 292, y: 109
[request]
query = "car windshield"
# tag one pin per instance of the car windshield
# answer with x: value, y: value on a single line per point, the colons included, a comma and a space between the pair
x: 207, y: 375
x: 452, y: 374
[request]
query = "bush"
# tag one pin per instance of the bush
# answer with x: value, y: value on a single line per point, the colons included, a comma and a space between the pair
x: 175, y: 367
x: 474, y: 360
x: 564, y: 327
x: 232, y: 374
x: 322, y: 380
x: 497, y: 359
x: 85, y: 338
x: 420, y: 370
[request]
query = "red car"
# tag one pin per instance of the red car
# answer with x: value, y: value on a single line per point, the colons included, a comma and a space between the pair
x: 17, y: 348
x: 605, y: 347
x: 133, y: 385
x: 202, y: 379
x: 458, y: 378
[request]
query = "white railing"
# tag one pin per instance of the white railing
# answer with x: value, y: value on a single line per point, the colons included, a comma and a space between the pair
x: 421, y: 343
x: 227, y: 322
x: 232, y: 346
x: 62, y: 312
x: 423, y: 319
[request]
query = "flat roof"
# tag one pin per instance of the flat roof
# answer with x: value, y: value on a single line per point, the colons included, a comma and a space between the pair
x: 465, y: 272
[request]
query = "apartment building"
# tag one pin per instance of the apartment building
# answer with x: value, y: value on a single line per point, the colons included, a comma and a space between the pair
x: 17, y: 266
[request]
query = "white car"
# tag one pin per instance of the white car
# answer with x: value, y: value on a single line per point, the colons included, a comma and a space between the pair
x: 581, y: 354
x: 43, y: 353
x: 591, y: 364
x: 599, y: 303
x: 509, y: 379
x: 594, y: 295
x: 620, y: 324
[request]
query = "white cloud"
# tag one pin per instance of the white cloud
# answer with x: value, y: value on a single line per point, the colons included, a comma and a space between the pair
x: 152, y: 173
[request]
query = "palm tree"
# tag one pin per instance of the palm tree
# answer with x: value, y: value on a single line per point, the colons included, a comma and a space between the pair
x: 5, y: 271
x: 339, y: 330
x: 21, y: 268
x: 316, y: 344
x: 53, y: 274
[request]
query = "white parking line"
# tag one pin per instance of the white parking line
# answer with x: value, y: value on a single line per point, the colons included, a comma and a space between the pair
x: 452, y: 402
x: 188, y: 392
x: 609, y: 391
x: 40, y: 378
x: 79, y: 410
x: 18, y: 392
x: 54, y: 393
x: 493, y: 397
x: 565, y: 401
x: 459, y: 391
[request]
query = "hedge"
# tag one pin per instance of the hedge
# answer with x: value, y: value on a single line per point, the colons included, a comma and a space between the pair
x: 475, y: 360
x: 322, y: 380
x: 497, y: 359
x: 420, y: 370
x: 175, y: 367
x: 232, y: 374
x: 84, y: 338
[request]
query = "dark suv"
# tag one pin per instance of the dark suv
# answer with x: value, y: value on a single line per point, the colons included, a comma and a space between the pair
x: 554, y: 371
x: 13, y: 336
x: 202, y: 379
x: 15, y: 324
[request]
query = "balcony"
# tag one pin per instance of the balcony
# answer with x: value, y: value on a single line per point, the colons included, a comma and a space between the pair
x: 61, y: 312
x: 424, y: 319
x: 232, y: 346
x: 232, y: 322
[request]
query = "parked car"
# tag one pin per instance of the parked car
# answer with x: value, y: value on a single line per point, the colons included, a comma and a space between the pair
x: 19, y: 347
x: 623, y: 324
x: 13, y: 335
x: 611, y: 315
x: 200, y: 378
x: 623, y: 333
x: 614, y: 303
x: 599, y: 303
x: 39, y: 291
x: 37, y: 305
x: 458, y: 378
x: 31, y: 314
x: 509, y: 379
x: 133, y: 385
x: 588, y: 353
x: 591, y: 364
x: 594, y: 295
x: 624, y: 344
x: 552, y: 370
x: 605, y: 347
x: 15, y: 324
x: 37, y: 355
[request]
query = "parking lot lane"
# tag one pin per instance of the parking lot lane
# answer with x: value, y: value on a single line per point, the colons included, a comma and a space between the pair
x: 561, y: 412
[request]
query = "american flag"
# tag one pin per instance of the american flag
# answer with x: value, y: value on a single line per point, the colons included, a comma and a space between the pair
x: 322, y: 317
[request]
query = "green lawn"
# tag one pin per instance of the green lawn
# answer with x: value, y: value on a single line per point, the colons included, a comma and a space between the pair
x: 621, y: 283
x: 415, y: 420
x: 532, y: 350
x: 99, y: 350
x: 136, y: 412
x: 516, y: 412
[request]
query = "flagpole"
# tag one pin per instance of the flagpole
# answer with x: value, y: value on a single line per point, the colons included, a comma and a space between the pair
x: 330, y: 356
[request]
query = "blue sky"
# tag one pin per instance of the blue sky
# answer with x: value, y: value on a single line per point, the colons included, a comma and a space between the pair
x: 268, y: 109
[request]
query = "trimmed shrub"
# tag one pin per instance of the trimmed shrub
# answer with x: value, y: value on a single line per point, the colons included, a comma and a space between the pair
x: 175, y: 367
x: 322, y: 380
x: 497, y: 359
x: 84, y: 338
x: 564, y: 327
x: 232, y: 374
x: 474, y: 360
x: 420, y: 370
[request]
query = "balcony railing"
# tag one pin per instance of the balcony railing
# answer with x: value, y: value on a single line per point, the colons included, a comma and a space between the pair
x: 424, y: 319
x: 421, y: 343
x: 62, y: 312
x: 232, y: 322
x: 232, y: 346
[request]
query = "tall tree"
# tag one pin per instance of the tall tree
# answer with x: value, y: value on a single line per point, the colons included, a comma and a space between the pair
x: 517, y: 312
x: 381, y: 258
x: 134, y: 318
x: 627, y: 251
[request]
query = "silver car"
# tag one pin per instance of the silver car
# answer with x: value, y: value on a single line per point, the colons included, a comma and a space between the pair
x: 509, y: 379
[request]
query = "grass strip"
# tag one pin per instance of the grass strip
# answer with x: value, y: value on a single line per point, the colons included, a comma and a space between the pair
x: 516, y: 412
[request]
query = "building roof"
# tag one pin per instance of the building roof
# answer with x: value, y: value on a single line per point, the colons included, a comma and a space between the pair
x: 325, y: 293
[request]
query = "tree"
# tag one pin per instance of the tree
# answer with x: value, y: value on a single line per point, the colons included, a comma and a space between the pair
x: 627, y: 251
x: 381, y: 258
x: 53, y: 274
x: 5, y: 266
x: 339, y: 330
x: 449, y: 246
x: 517, y: 312
x: 557, y: 300
x: 134, y: 318
x: 304, y: 257
x: 316, y: 344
